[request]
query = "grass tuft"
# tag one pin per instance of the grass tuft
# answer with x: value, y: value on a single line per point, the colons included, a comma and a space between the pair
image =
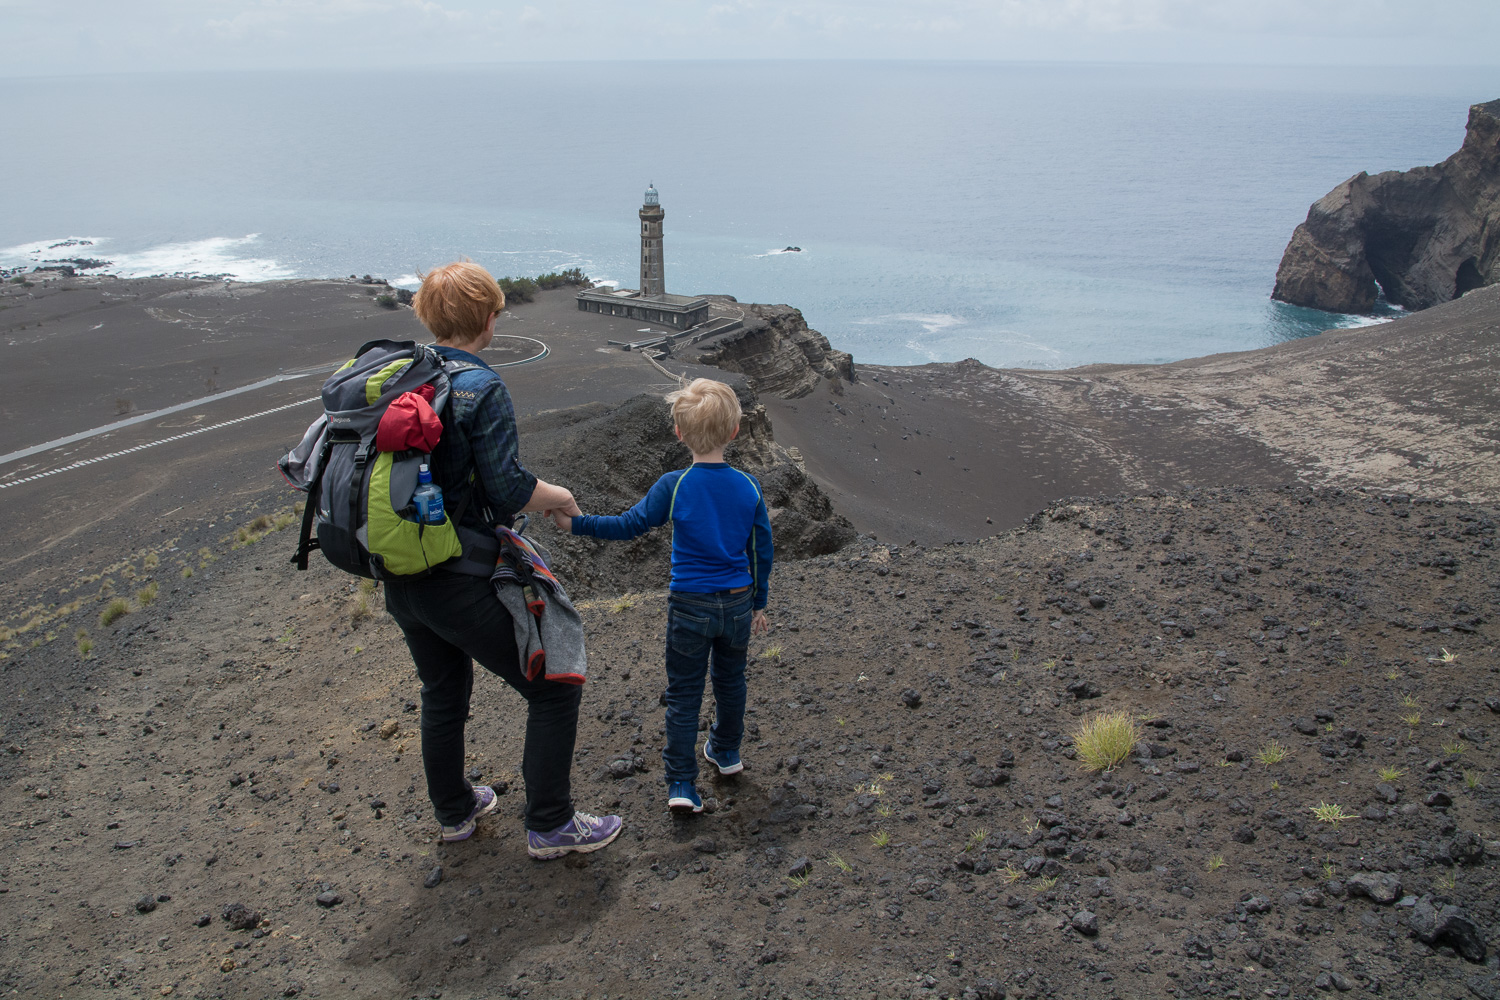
x: 146, y: 594
x: 624, y: 603
x: 1471, y: 779
x: 1330, y: 813
x: 114, y: 610
x: 187, y: 572
x: 799, y: 880
x: 151, y: 560
x: 976, y: 838
x: 1272, y: 753
x: 85, y: 644
x: 835, y: 861
x: 880, y: 838
x: 1390, y: 773
x: 1412, y: 719
x: 1103, y: 741
x: 1012, y: 874
x: 772, y: 652
x: 361, y: 610
x: 1214, y: 863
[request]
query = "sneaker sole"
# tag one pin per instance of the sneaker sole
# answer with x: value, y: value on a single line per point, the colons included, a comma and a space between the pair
x: 732, y: 769
x: 684, y: 805
x: 557, y: 852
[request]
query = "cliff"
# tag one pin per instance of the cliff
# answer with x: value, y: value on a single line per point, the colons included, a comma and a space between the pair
x: 1423, y: 236
x: 779, y: 353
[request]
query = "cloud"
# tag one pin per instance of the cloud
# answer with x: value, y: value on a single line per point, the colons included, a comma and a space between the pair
x: 95, y: 35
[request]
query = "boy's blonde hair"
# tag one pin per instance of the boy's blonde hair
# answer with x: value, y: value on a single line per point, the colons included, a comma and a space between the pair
x: 707, y: 413
x: 457, y: 300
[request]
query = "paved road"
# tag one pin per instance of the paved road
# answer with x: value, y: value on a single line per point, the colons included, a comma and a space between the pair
x: 86, y: 354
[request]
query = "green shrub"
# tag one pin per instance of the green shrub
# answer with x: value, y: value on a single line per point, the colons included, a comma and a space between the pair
x: 557, y: 279
x: 518, y: 289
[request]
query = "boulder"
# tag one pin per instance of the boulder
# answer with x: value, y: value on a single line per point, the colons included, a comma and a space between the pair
x: 1381, y: 887
x: 1448, y: 925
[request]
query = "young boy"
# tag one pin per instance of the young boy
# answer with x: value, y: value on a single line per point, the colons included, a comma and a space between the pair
x: 721, y: 569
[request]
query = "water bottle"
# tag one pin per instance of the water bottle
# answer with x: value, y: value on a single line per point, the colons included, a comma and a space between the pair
x: 428, y: 498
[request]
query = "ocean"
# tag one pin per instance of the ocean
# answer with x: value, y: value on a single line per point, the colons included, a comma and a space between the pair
x: 1028, y: 215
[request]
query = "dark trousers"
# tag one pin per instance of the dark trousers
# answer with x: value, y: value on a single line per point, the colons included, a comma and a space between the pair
x: 700, y: 628
x: 451, y: 620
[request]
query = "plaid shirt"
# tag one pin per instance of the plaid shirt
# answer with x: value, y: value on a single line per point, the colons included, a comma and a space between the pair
x: 484, y: 451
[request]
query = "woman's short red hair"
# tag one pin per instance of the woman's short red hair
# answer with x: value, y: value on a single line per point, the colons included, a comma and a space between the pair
x: 457, y: 300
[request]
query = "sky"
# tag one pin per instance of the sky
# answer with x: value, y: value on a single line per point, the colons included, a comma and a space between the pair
x: 52, y: 37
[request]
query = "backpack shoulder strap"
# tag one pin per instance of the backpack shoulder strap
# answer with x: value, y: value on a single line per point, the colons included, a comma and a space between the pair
x: 306, y: 540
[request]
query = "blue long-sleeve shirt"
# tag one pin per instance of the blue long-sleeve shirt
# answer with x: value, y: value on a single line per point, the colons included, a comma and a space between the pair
x: 721, y: 531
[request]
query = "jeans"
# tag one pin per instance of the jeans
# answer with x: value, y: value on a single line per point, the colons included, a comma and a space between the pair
x: 451, y: 620
x: 700, y: 625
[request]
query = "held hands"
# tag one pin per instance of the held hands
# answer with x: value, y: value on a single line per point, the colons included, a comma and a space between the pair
x: 563, y: 514
x: 759, y: 624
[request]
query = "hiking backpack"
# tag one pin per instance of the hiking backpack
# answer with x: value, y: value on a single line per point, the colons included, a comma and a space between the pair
x: 358, y: 465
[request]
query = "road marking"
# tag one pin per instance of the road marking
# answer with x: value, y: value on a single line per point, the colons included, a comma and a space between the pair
x: 545, y: 350
x: 153, y: 444
x: 154, y: 415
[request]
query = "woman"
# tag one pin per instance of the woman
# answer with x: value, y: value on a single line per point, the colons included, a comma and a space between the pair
x: 451, y: 619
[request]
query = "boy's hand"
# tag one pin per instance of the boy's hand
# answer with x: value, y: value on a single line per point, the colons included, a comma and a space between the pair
x: 759, y: 623
x: 563, y: 521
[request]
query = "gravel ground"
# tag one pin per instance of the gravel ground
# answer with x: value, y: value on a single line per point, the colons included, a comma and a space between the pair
x: 224, y: 797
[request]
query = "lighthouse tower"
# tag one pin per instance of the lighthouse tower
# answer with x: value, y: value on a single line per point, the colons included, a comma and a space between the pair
x: 653, y: 276
x: 650, y: 303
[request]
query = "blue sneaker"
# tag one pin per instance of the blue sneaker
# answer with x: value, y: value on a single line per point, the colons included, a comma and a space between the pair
x: 485, y: 801
x: 727, y: 761
x: 682, y: 796
x: 582, y: 833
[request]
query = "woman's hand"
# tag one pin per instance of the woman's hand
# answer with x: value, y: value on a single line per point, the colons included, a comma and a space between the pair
x: 547, y: 498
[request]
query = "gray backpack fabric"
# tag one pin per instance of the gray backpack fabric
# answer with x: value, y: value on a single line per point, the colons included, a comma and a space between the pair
x: 359, y: 510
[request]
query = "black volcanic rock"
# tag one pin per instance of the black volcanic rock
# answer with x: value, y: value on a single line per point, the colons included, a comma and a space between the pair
x: 1448, y: 925
x: 1425, y: 235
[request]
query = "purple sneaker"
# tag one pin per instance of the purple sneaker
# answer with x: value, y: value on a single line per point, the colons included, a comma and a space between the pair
x: 485, y: 801
x: 582, y: 833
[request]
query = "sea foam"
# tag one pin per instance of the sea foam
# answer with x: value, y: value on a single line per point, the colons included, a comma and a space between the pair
x: 215, y: 256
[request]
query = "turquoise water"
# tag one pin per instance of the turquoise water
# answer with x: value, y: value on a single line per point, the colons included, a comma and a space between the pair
x: 1025, y: 215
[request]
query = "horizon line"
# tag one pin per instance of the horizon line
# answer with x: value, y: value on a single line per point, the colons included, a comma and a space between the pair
x: 884, y: 60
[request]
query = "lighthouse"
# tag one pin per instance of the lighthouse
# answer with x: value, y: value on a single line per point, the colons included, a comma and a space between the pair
x: 653, y: 276
x: 650, y: 303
